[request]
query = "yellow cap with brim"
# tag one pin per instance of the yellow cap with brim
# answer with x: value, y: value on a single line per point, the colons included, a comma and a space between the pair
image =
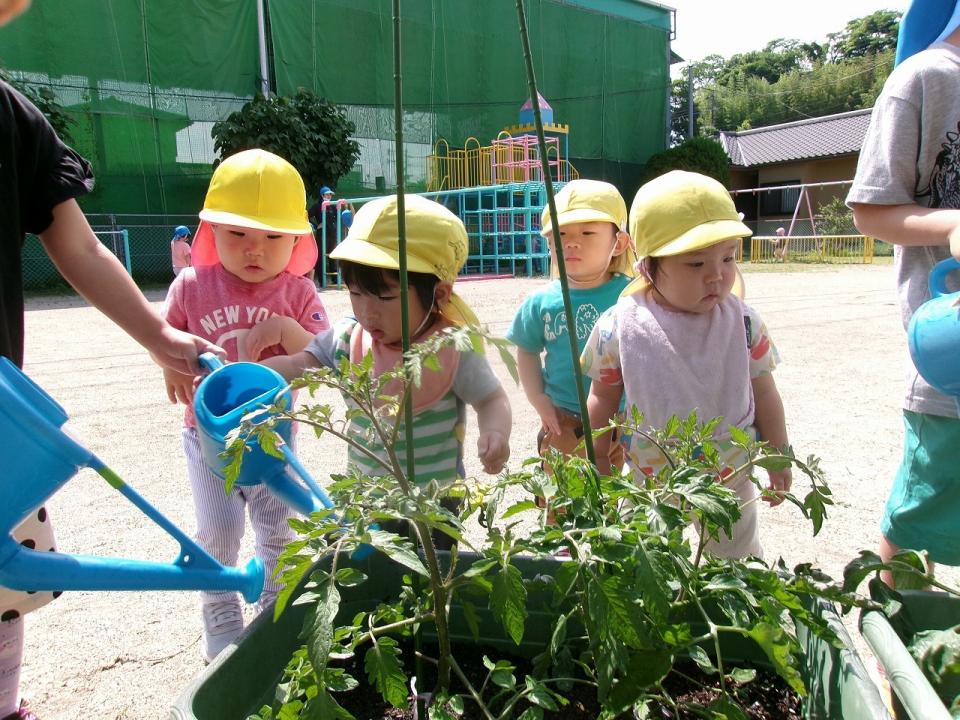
x: 583, y: 201
x: 680, y: 212
x: 259, y: 190
x: 436, y: 244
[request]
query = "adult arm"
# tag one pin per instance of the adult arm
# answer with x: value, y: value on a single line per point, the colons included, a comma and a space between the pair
x: 99, y: 277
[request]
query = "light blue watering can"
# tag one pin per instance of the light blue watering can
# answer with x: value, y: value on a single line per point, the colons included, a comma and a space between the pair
x: 39, y: 459
x: 220, y: 402
x: 934, y: 332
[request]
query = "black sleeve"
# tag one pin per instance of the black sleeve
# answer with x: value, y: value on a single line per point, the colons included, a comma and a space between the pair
x: 47, y: 172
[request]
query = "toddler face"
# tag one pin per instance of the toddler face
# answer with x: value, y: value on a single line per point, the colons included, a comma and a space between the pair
x: 587, y: 250
x: 696, y: 281
x: 253, y: 255
x: 379, y: 314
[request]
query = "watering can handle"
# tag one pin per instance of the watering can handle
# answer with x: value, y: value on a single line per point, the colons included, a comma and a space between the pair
x: 938, y: 276
x: 210, y: 362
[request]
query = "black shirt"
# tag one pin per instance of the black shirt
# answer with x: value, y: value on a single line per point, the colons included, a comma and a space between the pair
x: 37, y: 173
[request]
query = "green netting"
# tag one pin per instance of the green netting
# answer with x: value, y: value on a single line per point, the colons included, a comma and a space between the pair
x: 145, y: 81
x: 604, y: 74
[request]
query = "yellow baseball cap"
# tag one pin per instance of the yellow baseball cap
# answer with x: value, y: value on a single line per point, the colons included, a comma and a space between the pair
x: 680, y: 212
x: 257, y: 189
x: 436, y: 244
x: 583, y: 201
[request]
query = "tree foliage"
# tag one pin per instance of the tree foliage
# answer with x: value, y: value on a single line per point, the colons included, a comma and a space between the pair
x: 46, y: 103
x: 699, y: 154
x: 311, y: 133
x: 789, y: 80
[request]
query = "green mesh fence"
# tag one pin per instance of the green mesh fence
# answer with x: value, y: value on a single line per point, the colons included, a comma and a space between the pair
x: 145, y: 81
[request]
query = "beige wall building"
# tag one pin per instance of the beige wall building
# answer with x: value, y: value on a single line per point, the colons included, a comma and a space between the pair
x: 818, y: 150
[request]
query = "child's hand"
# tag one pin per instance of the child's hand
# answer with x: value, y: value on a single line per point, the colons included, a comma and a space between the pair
x: 179, y: 386
x: 780, y: 482
x: 261, y: 336
x: 547, y: 411
x: 955, y: 242
x: 493, y: 449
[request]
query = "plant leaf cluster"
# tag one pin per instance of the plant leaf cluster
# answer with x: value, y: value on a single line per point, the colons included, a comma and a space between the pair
x: 632, y: 595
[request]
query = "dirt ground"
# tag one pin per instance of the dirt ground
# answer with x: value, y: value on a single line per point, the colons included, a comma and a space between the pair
x: 129, y: 655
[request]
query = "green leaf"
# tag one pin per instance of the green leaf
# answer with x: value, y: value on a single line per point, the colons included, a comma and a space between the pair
x: 325, y: 707
x: 644, y: 669
x: 541, y: 696
x: 725, y: 708
x: 742, y: 676
x: 382, y: 663
x: 350, y: 577
x: 652, y: 586
x: 400, y: 552
x: 701, y: 658
x: 779, y: 649
x: 937, y: 652
x: 508, y: 600
x: 532, y: 713
x: 473, y: 620
x: 319, y: 621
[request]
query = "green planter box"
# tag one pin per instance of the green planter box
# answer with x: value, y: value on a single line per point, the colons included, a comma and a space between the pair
x: 244, y: 676
x: 914, y: 697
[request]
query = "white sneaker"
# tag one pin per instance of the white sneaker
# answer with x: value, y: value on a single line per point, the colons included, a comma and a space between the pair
x: 222, y: 623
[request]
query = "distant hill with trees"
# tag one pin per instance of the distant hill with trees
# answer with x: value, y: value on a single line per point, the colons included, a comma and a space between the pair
x: 788, y: 79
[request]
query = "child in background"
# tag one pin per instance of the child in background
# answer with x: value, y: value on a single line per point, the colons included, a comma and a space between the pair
x: 599, y: 259
x: 680, y: 339
x: 245, y: 292
x: 369, y: 260
x: 906, y: 192
x: 180, y: 249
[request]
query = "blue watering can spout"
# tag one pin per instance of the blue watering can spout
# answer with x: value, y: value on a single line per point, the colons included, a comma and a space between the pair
x: 46, y: 458
x: 933, y: 334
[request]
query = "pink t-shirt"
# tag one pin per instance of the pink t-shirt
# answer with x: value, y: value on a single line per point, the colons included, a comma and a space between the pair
x: 214, y: 304
x: 180, y: 253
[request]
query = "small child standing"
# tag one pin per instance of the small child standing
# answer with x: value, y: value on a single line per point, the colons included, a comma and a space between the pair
x: 369, y: 260
x: 599, y: 258
x: 180, y: 249
x: 906, y: 193
x: 680, y: 339
x: 246, y: 293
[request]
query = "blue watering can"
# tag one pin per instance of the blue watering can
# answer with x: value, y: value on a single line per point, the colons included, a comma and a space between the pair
x: 934, y: 332
x: 40, y: 458
x: 220, y: 402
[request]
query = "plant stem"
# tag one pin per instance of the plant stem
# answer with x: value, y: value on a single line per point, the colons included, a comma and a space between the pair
x: 470, y: 689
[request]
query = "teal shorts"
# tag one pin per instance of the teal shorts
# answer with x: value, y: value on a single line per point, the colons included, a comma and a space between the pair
x: 923, y: 511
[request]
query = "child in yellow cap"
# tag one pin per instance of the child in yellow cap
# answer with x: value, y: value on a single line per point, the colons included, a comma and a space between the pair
x: 245, y: 292
x: 369, y: 260
x: 599, y: 259
x: 681, y: 339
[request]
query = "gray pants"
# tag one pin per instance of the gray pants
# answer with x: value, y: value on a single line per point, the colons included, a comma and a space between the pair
x: 220, y: 519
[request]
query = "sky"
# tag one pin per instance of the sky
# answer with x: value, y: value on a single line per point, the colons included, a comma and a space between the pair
x: 728, y: 27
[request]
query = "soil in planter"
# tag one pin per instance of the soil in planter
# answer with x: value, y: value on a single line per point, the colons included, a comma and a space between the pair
x: 766, y: 698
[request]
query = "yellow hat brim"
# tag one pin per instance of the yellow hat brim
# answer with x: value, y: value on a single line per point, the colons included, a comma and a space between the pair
x: 580, y: 215
x: 458, y: 312
x: 703, y: 236
x: 366, y: 253
x: 280, y: 225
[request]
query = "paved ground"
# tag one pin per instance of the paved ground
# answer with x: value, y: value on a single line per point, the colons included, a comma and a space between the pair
x: 128, y: 655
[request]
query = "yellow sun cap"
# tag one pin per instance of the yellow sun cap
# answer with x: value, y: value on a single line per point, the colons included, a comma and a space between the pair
x: 436, y: 244
x: 680, y: 212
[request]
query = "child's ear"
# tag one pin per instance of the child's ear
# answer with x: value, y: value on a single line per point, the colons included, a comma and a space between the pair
x: 623, y: 242
x: 442, y: 292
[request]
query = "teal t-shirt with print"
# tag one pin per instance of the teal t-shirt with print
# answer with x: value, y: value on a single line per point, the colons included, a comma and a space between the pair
x: 540, y: 326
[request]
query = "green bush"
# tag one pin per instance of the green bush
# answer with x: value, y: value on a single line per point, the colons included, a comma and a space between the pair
x: 698, y: 154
